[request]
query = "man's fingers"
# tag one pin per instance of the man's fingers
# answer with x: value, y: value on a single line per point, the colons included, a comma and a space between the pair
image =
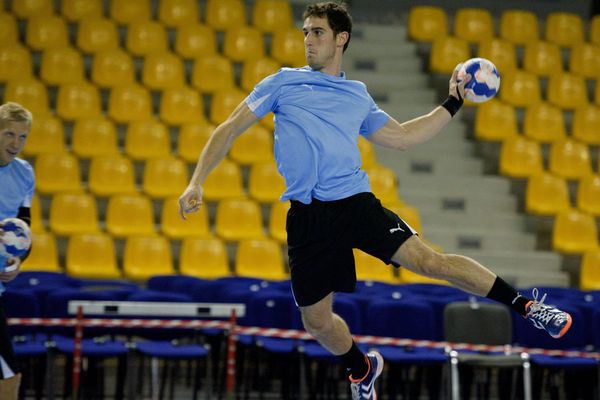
x: 187, y: 206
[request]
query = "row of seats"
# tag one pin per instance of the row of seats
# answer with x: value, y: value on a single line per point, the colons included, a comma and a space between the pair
x: 520, y: 27
x: 496, y: 120
x: 94, y: 256
x: 267, y: 15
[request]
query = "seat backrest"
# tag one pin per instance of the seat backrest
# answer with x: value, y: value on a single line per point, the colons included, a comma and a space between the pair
x: 520, y: 88
x: 175, y: 13
x: 112, y: 67
x: 92, y: 256
x: 165, y: 176
x: 388, y: 318
x: 479, y: 323
x: 147, y: 139
x: 212, y: 253
x: 586, y: 119
x: 30, y: 93
x: 426, y: 23
x: 126, y: 12
x: 473, y: 24
x: 112, y: 174
x: 564, y: 29
x: 520, y: 157
x: 80, y: 10
x: 495, y: 120
x: 544, y: 123
x: 519, y: 26
x: 570, y: 159
x: 46, y: 136
x: 44, y: 254
x: 272, y: 15
x: 588, y: 194
x: 446, y: 53
x: 260, y: 258
x: 94, y: 137
x: 224, y: 14
x: 195, y: 41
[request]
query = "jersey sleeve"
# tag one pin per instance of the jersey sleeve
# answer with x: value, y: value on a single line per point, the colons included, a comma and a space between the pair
x: 30, y: 188
x: 375, y: 119
x: 263, y: 99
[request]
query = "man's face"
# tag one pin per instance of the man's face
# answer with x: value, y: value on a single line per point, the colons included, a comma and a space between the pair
x: 319, y: 42
x: 12, y: 139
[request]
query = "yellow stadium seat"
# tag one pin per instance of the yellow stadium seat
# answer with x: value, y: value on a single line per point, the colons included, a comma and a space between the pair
x: 544, y: 123
x: 97, y: 34
x: 584, y: 60
x: 181, y: 105
x: 546, y: 194
x: 45, y: 32
x: 253, y: 146
x: 174, y: 227
x: 191, y: 140
x: 24, y: 9
x: 427, y: 23
x: 128, y: 215
x: 446, y: 53
x: 37, y: 220
x: 272, y: 15
x: 586, y: 121
x: 473, y: 24
x: 589, y: 278
x: 212, y: 73
x: 255, y: 70
x: 597, y: 93
x: 204, y: 258
x: 238, y: 219
x: 224, y: 14
x: 570, y: 159
x: 30, y: 93
x: 519, y: 26
x: 287, y: 47
x: 80, y: 10
x: 520, y: 157
x: 501, y: 52
x: 9, y: 33
x: 495, y: 121
x: 588, y: 194
x: 147, y: 139
x: 164, y: 177
x: 574, y: 232
x: 57, y: 172
x: 146, y: 256
x: 277, y: 219
x: 243, y: 43
x: 77, y: 101
x: 61, y: 65
x: 92, y: 256
x: 224, y: 182
x: 260, y: 258
x: 410, y: 215
x: 162, y: 70
x: 130, y: 103
x: 175, y: 13
x: 94, y: 137
x: 223, y: 103
x: 268, y: 122
x: 146, y: 37
x: 384, y: 184
x: 47, y: 135
x: 367, y: 153
x: 369, y: 268
x: 15, y: 63
x: 520, y: 89
x: 565, y: 29
x: 73, y: 213
x: 265, y: 184
x: 595, y: 30
x: 110, y: 175
x: 44, y: 254
x: 567, y: 91
x: 194, y: 41
x: 126, y: 12
x: 542, y: 58
x: 112, y: 68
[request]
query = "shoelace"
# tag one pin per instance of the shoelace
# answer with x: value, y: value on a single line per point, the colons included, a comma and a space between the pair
x: 540, y: 312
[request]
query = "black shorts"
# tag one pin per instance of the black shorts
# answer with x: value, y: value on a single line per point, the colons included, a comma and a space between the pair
x: 322, y: 234
x: 6, y: 348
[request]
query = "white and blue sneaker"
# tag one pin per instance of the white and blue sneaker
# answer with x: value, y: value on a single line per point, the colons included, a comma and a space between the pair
x: 549, y: 318
x: 364, y: 389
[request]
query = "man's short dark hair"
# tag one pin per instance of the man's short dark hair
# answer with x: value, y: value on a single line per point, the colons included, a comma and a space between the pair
x: 337, y: 15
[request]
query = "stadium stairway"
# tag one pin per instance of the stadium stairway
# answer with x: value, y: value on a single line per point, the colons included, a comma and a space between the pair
x: 462, y: 210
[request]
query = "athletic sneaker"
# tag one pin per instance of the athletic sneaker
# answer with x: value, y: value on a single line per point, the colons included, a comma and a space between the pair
x: 549, y: 318
x: 364, y: 389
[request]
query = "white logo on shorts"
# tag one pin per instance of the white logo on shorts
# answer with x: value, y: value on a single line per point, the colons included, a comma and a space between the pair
x: 396, y: 229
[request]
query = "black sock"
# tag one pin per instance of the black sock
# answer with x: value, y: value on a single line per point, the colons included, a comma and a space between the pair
x: 506, y: 294
x: 355, y: 362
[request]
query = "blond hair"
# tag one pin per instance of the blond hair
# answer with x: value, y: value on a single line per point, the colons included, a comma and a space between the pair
x: 14, y: 112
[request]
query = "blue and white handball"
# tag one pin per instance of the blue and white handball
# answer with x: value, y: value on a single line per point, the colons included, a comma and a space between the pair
x: 16, y: 238
x: 485, y: 79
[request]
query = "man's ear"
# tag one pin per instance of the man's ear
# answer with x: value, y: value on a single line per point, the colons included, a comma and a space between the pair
x: 341, y: 39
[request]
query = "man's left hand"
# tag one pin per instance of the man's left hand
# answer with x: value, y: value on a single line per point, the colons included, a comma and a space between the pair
x: 11, y: 270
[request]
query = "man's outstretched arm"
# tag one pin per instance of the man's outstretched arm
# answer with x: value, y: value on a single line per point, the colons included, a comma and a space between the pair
x: 405, y: 135
x: 215, y: 150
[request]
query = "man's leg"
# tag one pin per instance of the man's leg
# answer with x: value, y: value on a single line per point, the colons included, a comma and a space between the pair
x: 9, y: 388
x: 470, y: 276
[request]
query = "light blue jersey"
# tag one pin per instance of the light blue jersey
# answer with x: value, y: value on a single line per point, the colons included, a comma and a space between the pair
x: 17, y: 183
x: 318, y: 118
